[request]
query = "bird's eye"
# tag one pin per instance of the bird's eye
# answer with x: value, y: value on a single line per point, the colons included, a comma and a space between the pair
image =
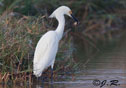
x: 70, y: 12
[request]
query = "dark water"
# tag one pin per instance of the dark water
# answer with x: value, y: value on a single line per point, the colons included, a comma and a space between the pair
x: 109, y: 69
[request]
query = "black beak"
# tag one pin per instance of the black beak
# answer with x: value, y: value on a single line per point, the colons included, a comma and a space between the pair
x: 74, y: 18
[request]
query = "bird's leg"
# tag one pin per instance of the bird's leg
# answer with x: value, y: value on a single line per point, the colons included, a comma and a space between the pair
x: 42, y: 79
x: 37, y: 79
x: 51, y: 75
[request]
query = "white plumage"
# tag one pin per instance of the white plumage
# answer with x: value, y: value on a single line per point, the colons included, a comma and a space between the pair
x: 45, y: 52
x: 47, y: 46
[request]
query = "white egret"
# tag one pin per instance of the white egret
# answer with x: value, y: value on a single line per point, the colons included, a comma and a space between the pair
x: 47, y: 46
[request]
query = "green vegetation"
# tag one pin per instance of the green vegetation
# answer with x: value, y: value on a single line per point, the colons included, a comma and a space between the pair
x: 22, y: 23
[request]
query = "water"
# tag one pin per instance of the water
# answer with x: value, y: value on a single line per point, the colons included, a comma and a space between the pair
x: 106, y: 69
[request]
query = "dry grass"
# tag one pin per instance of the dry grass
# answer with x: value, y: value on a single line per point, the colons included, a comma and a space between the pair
x: 18, y: 38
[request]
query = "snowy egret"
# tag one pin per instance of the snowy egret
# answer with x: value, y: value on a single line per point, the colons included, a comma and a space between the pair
x: 47, y: 46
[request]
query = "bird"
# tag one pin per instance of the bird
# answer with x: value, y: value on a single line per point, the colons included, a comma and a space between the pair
x: 47, y: 46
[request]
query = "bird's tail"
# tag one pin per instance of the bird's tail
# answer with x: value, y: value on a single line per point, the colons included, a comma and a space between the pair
x: 37, y: 71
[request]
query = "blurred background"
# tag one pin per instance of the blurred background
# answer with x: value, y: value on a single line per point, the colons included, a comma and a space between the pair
x: 102, y: 27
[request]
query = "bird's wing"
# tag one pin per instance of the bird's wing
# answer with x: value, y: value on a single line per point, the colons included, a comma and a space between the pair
x: 45, y: 52
x: 41, y: 47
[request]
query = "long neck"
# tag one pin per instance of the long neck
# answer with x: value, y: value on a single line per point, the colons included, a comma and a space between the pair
x: 60, y: 29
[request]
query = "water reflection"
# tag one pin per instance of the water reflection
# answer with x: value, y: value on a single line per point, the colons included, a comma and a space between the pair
x: 46, y: 85
x: 43, y: 85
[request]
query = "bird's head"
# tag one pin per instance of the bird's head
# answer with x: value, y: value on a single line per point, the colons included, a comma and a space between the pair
x: 63, y: 10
